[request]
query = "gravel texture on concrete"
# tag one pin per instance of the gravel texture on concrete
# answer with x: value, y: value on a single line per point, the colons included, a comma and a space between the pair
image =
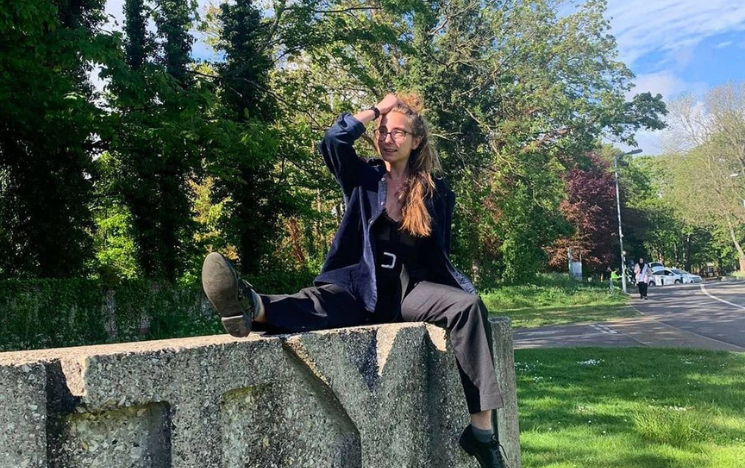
x: 376, y: 397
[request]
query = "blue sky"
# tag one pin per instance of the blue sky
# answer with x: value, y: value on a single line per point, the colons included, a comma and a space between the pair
x: 673, y: 46
x: 677, y: 46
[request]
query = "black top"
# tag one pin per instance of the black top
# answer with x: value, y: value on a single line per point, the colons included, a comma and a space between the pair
x: 399, y: 262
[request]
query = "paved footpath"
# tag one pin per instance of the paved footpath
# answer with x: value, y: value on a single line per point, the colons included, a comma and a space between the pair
x: 710, y: 316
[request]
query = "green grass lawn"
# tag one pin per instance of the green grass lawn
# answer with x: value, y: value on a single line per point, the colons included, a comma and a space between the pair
x: 556, y: 299
x: 631, y: 407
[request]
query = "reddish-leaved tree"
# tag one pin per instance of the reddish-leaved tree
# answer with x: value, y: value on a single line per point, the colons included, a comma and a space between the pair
x: 591, y: 208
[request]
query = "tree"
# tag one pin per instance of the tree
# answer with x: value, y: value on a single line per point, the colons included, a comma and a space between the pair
x: 48, y: 123
x: 538, y: 89
x: 590, y: 208
x: 709, y: 170
x: 113, y: 240
x: 159, y: 132
x: 255, y: 196
x: 518, y: 92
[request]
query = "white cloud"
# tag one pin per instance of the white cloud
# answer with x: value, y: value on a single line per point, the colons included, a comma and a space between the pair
x: 672, y: 28
x: 681, y: 134
x: 649, y: 142
x: 670, y: 139
x: 656, y: 142
x: 664, y: 82
x: 682, y: 56
x: 644, y: 26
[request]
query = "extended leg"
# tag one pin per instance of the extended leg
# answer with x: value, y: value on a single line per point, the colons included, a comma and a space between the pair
x: 466, y: 318
x: 315, y: 308
x: 240, y: 307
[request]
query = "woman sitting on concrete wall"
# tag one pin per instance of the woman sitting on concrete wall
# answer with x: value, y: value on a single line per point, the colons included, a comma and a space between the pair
x: 388, y: 261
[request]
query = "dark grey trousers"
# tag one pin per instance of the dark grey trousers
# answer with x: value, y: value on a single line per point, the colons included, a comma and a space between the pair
x: 462, y: 314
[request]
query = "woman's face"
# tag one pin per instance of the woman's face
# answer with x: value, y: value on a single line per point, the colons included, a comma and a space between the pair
x: 394, y: 139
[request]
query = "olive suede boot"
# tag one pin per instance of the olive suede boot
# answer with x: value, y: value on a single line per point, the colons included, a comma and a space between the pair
x: 233, y: 298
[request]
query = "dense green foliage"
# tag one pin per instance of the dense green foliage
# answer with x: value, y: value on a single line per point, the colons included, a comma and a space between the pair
x: 175, y: 156
x: 671, y: 212
x: 47, y: 144
x: 48, y: 314
x: 685, y: 208
x: 75, y: 312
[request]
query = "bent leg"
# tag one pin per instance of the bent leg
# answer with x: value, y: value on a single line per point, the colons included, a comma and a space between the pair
x: 315, y: 308
x: 466, y: 318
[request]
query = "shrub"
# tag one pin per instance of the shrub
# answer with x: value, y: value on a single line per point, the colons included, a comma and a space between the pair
x: 56, y: 313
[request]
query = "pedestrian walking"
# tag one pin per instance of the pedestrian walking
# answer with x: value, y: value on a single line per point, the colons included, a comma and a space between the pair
x: 642, y: 273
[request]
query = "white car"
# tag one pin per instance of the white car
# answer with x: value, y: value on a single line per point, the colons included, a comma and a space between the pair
x: 664, y: 277
x: 686, y: 277
x: 656, y: 266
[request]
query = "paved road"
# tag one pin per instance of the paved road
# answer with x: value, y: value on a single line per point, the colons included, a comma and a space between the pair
x: 710, y: 316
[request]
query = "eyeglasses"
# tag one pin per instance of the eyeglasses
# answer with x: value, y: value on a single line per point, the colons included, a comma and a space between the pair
x: 396, y: 134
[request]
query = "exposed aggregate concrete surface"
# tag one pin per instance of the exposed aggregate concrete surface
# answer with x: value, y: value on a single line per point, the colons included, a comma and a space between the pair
x: 384, y: 396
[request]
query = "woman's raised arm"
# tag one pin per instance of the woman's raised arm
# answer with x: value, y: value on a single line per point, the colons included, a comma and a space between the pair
x: 337, y: 146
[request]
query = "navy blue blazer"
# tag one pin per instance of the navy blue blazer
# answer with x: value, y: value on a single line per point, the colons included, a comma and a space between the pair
x: 350, y: 263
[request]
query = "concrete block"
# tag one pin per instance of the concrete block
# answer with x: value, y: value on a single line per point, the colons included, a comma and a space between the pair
x: 23, y: 416
x: 130, y: 437
x: 504, y: 364
x: 374, y: 397
x: 378, y: 375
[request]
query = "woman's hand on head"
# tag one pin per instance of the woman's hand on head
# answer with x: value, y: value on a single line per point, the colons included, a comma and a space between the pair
x: 384, y: 106
x: 387, y: 103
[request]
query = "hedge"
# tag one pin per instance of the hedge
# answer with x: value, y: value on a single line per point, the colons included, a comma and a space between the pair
x: 37, y: 314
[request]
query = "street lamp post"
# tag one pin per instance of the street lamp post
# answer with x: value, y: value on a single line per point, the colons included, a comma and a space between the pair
x: 618, y: 207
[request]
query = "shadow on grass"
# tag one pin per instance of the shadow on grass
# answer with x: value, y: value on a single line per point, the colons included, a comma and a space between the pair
x: 637, y: 407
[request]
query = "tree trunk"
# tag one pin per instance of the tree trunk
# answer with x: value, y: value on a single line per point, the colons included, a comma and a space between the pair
x: 740, y: 253
x: 687, y: 253
x: 296, y: 240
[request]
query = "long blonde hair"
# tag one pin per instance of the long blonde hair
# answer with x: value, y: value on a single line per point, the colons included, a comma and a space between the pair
x: 423, y: 163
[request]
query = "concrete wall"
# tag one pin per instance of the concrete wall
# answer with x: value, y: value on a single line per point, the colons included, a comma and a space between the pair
x: 374, y: 397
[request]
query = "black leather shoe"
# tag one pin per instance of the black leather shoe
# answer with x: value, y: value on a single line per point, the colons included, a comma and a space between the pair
x: 232, y: 297
x: 487, y: 454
